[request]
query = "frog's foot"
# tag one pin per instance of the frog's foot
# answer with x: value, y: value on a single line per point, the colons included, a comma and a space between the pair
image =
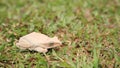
x: 39, y: 49
x: 22, y: 48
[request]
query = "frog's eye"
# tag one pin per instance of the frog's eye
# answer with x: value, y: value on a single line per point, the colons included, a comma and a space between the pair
x: 51, y: 44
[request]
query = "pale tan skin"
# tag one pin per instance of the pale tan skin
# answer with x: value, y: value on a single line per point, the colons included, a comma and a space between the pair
x: 37, y: 42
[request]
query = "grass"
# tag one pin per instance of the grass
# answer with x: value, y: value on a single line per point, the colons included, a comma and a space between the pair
x: 89, y: 30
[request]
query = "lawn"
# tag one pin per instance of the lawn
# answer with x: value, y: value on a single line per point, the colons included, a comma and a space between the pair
x: 88, y: 29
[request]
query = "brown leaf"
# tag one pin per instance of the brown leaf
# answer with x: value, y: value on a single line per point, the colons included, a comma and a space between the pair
x: 88, y: 15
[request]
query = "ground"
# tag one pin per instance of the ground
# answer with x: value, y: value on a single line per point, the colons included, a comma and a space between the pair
x: 88, y: 29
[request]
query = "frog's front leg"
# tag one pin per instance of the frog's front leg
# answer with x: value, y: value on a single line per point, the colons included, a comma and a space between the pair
x: 39, y: 49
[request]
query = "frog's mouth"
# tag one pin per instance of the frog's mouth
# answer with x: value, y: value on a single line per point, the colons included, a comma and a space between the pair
x: 51, y: 45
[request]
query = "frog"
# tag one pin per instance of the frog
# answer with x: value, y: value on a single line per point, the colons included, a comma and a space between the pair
x: 38, y: 42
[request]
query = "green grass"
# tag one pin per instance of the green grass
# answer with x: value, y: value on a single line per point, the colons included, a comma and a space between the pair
x: 89, y: 30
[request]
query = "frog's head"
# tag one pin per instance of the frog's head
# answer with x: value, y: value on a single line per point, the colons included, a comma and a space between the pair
x: 56, y: 40
x: 53, y: 42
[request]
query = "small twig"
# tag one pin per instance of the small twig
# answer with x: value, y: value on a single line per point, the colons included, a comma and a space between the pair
x: 47, y: 59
